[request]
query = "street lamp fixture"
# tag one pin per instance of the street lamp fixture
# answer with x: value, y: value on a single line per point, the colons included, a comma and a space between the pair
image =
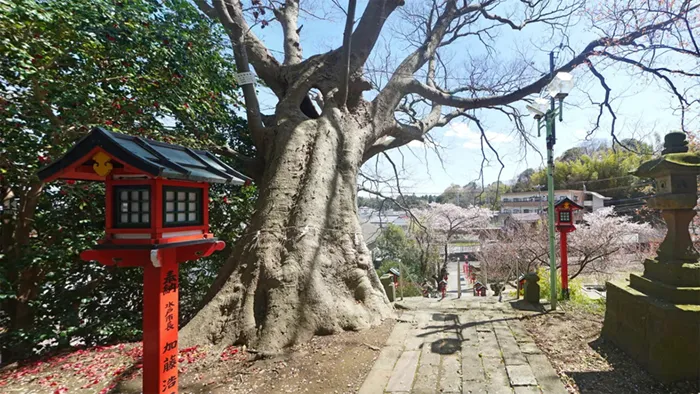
x: 559, y: 87
x: 538, y: 108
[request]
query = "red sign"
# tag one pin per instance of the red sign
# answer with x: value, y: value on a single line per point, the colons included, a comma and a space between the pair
x: 160, y: 325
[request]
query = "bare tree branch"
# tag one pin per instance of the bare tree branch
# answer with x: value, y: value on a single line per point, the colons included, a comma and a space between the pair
x: 230, y: 15
x: 347, y: 49
x: 288, y: 16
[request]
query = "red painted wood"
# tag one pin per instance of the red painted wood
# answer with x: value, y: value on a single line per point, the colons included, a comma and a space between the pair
x: 205, y: 208
x: 118, y: 257
x: 179, y: 183
x: 564, y: 262
x: 109, y: 208
x: 160, y: 280
x: 160, y: 325
x: 157, y: 208
x: 194, y: 252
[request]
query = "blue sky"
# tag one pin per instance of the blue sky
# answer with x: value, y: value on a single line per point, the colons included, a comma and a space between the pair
x: 642, y: 105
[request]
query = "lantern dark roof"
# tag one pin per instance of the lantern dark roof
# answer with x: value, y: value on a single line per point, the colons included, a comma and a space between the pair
x: 152, y: 157
x: 566, y: 199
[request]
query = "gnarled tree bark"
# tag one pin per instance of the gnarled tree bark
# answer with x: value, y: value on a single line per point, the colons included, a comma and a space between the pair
x: 303, y: 268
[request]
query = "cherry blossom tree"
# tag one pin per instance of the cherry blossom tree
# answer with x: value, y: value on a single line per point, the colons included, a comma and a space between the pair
x: 602, y: 243
x: 445, y: 223
x: 604, y: 239
x: 516, y: 248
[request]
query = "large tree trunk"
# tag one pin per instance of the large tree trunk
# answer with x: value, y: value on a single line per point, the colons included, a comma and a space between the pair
x: 302, y: 268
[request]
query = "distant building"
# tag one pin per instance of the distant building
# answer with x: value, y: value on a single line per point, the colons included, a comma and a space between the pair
x: 594, y: 201
x: 527, y: 206
x: 373, y: 222
x: 384, y: 218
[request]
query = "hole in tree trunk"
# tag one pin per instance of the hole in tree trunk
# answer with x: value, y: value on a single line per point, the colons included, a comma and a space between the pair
x: 313, y: 103
x: 260, y: 305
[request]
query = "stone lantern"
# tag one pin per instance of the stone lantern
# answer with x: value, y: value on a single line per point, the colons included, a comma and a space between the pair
x: 655, y: 318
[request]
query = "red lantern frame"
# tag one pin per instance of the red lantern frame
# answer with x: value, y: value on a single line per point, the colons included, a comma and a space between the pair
x: 120, y: 160
x: 568, y: 207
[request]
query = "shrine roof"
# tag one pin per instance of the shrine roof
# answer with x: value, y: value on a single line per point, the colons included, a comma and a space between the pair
x: 154, y: 158
x: 567, y: 200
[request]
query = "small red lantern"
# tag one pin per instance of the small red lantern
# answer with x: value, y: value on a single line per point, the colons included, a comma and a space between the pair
x: 157, y: 216
x: 479, y: 289
x: 564, y: 213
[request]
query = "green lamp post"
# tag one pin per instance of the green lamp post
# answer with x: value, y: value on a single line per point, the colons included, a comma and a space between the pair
x: 557, y: 89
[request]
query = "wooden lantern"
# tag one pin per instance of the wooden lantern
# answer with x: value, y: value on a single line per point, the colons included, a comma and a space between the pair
x: 564, y: 214
x: 157, y: 216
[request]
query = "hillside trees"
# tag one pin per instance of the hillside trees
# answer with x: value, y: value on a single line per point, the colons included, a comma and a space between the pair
x: 156, y: 70
x: 302, y: 268
x: 606, y: 172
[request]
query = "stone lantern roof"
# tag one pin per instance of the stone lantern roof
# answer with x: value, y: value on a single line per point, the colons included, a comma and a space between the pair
x: 675, y: 158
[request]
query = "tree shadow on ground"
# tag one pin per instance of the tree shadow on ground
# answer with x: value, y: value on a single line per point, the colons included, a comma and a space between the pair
x: 458, y: 326
x: 444, y: 317
x: 446, y: 346
x: 626, y: 376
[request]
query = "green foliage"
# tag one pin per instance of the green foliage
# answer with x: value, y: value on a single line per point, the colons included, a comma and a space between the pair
x: 409, y: 289
x: 575, y: 288
x: 154, y: 69
x: 393, y: 244
x: 398, y: 251
x: 411, y: 272
x: 605, y: 171
x: 523, y: 182
x: 409, y: 284
x: 577, y: 297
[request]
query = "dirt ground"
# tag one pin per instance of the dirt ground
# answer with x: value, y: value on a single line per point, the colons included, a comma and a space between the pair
x: 329, y: 364
x: 587, y: 363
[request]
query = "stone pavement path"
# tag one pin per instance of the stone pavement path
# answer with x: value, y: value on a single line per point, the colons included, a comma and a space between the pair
x: 467, y: 345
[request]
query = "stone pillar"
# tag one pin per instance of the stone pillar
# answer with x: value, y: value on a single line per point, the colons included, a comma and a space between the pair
x: 388, y: 283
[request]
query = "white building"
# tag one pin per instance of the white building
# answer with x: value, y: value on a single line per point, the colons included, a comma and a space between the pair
x: 527, y: 206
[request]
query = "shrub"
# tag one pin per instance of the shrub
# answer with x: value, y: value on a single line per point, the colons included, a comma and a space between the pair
x: 577, y: 297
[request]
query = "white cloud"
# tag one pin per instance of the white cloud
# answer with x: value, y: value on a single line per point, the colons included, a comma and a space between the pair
x: 416, y: 144
x: 473, y: 138
x: 459, y: 130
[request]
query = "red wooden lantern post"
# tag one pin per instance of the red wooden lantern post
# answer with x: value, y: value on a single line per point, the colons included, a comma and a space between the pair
x: 564, y: 214
x: 157, y: 216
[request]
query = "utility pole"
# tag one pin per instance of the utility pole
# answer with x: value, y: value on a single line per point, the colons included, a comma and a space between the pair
x: 551, y: 139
